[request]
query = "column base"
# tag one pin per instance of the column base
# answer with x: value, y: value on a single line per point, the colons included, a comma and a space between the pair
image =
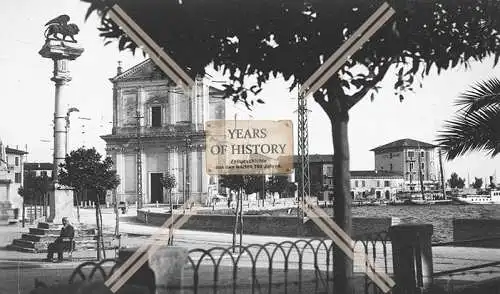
x: 61, y: 205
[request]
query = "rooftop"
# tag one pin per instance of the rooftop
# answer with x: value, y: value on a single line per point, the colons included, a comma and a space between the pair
x: 374, y: 174
x: 14, y: 151
x: 37, y: 166
x: 404, y: 143
x: 316, y: 158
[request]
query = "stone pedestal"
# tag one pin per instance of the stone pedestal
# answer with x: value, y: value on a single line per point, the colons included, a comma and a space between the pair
x: 61, y: 205
x: 412, y: 258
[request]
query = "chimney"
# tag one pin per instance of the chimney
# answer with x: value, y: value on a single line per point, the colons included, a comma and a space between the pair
x: 119, y: 68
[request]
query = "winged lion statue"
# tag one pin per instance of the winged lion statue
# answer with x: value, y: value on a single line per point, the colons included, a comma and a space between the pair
x: 61, y: 26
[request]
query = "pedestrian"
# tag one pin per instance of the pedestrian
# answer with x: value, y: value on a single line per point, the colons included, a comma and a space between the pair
x: 61, y: 244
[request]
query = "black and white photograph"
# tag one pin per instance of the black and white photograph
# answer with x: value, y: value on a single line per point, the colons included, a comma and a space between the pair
x: 249, y: 146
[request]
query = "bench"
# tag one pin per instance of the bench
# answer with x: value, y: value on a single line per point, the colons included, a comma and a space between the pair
x: 69, y: 249
x: 72, y: 246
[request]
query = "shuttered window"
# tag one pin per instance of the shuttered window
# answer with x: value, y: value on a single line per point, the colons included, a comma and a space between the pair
x: 156, y: 116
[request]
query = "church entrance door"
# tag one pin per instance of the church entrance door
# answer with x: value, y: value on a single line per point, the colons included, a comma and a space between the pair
x: 156, y: 188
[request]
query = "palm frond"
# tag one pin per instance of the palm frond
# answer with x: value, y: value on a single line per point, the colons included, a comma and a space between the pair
x: 474, y: 131
x: 482, y: 94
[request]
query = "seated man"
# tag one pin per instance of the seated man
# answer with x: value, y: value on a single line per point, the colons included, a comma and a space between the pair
x: 62, y: 242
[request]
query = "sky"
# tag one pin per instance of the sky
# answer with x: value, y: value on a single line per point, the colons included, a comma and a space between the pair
x: 27, y: 98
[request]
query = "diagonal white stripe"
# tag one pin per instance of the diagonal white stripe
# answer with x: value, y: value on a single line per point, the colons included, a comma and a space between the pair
x: 348, y: 48
x: 169, y: 225
x: 342, y: 48
x: 382, y: 280
x: 332, y: 70
x: 155, y: 245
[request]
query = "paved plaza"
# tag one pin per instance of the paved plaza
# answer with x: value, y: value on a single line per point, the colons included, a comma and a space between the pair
x: 19, y: 269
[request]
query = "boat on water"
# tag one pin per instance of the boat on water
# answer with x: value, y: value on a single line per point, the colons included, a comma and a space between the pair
x: 431, y: 201
x: 492, y: 198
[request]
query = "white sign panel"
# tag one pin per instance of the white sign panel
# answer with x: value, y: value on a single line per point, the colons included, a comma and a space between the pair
x: 244, y: 147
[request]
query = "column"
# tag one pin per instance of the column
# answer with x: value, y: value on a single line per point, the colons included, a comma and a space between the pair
x: 120, y: 168
x: 176, y: 97
x: 60, y: 53
x: 194, y: 174
x: 205, y: 106
x: 115, y: 110
x: 412, y: 257
x: 60, y: 78
x: 204, y: 175
x: 146, y: 197
x: 173, y: 169
x: 180, y: 173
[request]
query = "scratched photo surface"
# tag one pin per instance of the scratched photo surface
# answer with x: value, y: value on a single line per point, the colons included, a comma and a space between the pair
x: 265, y: 146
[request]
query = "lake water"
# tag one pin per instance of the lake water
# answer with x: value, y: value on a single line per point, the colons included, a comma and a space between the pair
x: 441, y: 216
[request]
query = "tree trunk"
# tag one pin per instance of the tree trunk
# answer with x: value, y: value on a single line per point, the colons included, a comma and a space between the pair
x: 117, y: 215
x: 236, y: 221
x: 342, y: 264
x: 98, y: 229
x: 46, y: 204
x: 34, y: 200
x: 78, y: 205
x: 24, y: 208
x: 170, y: 231
x: 241, y: 221
x: 43, y: 206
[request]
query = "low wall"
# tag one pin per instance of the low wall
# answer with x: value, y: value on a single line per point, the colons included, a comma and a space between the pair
x: 467, y: 229
x: 282, y: 226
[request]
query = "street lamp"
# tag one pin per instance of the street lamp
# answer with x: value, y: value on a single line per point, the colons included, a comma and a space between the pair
x: 72, y: 109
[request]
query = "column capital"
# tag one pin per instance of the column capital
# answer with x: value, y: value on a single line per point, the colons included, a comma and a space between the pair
x: 57, y: 50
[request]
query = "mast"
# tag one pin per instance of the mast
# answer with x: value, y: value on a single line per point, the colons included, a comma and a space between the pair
x: 420, y: 173
x: 442, y: 174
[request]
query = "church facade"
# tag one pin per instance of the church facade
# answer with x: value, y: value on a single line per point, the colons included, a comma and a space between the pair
x: 165, y: 125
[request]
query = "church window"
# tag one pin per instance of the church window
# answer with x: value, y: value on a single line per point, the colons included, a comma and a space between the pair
x: 156, y: 116
x: 17, y: 177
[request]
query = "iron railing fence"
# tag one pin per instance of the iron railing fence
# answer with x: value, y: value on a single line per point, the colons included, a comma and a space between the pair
x: 299, y: 266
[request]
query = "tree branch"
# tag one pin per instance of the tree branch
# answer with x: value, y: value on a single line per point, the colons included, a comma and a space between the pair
x: 355, y: 98
x: 325, y: 105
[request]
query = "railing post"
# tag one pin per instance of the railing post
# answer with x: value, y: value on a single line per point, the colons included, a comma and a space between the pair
x: 162, y: 273
x: 412, y: 257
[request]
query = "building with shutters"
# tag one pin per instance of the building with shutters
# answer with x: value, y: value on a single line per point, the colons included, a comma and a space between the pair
x: 408, y: 157
x: 170, y: 126
x: 11, y: 176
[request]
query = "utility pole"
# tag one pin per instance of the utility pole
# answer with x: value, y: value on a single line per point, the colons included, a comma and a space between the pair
x: 442, y: 175
x: 304, y: 187
x: 187, y: 178
x: 139, y: 161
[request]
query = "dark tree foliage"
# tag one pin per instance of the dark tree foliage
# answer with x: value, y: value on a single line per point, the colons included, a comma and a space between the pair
x: 247, y: 183
x: 478, y: 183
x: 84, y: 169
x: 476, y: 126
x: 168, y: 181
x: 456, y: 182
x: 278, y: 184
x: 291, y: 37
